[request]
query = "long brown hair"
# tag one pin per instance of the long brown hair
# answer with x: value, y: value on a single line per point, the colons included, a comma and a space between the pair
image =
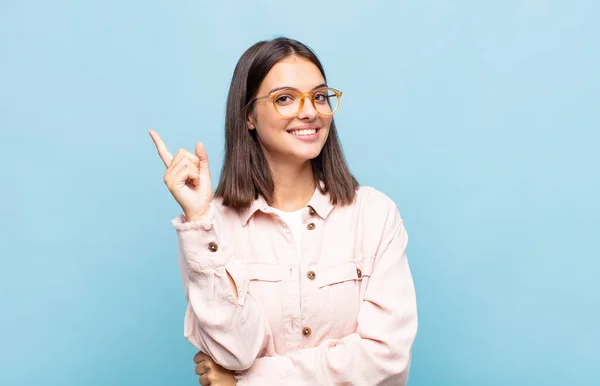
x: 245, y: 173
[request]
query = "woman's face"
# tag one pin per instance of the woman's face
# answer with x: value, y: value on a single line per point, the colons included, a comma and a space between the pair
x: 297, y: 139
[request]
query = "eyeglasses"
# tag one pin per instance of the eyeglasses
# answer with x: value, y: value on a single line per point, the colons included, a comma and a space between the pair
x: 288, y: 102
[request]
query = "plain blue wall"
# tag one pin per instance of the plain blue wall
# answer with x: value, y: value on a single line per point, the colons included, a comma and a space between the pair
x: 480, y: 120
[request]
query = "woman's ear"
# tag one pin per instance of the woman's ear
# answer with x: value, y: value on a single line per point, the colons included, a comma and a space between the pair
x: 250, y: 123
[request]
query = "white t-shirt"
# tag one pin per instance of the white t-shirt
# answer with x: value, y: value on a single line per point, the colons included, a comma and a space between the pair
x: 294, y: 222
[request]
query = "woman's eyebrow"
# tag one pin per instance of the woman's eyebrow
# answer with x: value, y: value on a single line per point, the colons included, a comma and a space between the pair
x: 286, y: 87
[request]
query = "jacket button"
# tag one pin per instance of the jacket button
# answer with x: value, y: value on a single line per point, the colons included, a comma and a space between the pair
x: 359, y: 272
x: 311, y: 275
x: 306, y: 331
x: 311, y: 211
x: 311, y: 226
x: 213, y: 247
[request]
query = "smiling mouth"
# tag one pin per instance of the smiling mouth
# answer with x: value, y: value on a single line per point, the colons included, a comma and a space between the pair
x: 303, y: 132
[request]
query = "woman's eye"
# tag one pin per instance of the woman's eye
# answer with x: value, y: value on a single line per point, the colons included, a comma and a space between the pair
x: 283, y: 99
x: 321, y: 97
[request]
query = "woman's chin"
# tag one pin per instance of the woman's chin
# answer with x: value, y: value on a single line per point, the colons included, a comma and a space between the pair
x: 308, y: 154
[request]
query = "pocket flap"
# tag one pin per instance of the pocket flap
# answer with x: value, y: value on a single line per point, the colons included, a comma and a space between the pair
x: 344, y: 272
x: 265, y: 272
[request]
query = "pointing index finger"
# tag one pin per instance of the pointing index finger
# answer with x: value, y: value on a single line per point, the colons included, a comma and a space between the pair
x: 163, y: 152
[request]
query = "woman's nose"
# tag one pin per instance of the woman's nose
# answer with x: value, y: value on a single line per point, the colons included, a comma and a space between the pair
x: 308, y: 110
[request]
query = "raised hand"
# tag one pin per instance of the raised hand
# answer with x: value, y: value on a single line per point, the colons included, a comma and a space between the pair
x: 187, y: 177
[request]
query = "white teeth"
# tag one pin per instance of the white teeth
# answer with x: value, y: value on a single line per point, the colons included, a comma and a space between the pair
x: 303, y: 132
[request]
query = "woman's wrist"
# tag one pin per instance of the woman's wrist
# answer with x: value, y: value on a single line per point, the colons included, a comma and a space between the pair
x: 197, y: 216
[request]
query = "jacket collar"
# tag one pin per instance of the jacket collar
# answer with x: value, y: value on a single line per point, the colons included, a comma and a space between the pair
x: 320, y: 202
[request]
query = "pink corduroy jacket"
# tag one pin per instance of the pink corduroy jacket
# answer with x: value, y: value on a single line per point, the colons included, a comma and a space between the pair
x: 344, y: 313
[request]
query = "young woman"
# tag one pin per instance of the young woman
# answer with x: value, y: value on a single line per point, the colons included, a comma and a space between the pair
x: 294, y: 274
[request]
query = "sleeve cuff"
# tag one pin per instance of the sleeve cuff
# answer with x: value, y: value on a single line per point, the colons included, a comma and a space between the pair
x: 205, y: 223
x: 199, y: 244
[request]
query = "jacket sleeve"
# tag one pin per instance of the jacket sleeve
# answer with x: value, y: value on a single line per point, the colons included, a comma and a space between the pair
x: 234, y: 332
x: 378, y: 353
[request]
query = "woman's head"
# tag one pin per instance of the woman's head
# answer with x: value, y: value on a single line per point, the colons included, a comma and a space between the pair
x: 266, y: 122
x: 290, y: 114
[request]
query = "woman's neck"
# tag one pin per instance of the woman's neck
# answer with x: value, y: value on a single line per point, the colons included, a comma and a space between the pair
x: 294, y: 185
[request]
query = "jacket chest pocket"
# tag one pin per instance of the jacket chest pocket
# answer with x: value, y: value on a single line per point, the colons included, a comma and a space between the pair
x: 342, y: 290
x: 356, y: 273
x: 265, y: 285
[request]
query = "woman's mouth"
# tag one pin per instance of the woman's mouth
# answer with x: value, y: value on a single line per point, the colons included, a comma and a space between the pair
x: 310, y: 134
x: 303, y: 132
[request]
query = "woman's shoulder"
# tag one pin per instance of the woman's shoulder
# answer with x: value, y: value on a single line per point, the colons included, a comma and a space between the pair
x: 376, y: 209
x: 221, y: 210
x: 369, y: 198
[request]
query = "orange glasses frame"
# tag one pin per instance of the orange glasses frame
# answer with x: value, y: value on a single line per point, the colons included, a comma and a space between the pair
x: 303, y: 96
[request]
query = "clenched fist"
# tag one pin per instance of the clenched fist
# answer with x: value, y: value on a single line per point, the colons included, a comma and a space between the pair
x: 187, y: 177
x: 211, y: 373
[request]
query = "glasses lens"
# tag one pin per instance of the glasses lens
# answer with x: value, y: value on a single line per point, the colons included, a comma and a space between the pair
x: 326, y: 101
x: 287, y: 102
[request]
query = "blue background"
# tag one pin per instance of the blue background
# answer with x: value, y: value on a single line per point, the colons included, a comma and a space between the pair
x: 479, y: 119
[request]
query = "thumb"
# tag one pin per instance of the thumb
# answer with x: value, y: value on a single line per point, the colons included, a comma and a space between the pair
x: 201, y: 154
